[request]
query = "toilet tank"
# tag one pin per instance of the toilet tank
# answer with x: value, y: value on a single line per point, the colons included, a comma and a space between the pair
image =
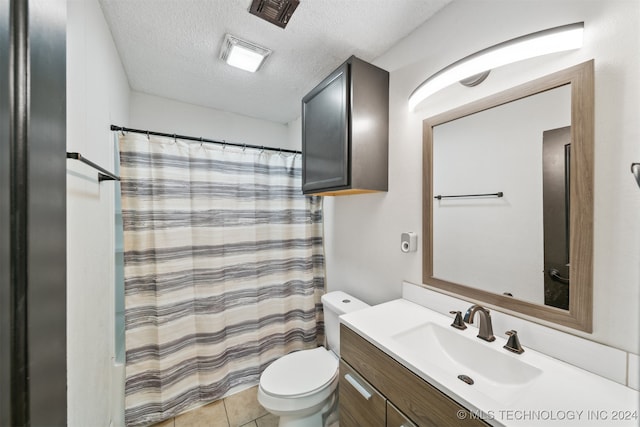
x: 335, y: 304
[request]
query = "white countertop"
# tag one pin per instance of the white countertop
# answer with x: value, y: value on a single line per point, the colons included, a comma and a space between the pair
x: 562, y: 395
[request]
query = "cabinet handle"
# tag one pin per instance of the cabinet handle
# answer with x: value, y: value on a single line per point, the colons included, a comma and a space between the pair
x: 363, y: 391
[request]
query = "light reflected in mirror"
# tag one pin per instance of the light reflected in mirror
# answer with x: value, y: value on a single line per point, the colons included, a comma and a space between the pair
x: 526, y: 245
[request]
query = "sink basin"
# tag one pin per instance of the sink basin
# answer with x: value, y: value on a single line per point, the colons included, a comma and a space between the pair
x: 508, y: 389
x: 497, y: 374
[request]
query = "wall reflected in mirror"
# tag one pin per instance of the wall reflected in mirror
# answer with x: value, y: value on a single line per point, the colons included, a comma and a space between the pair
x: 505, y: 245
x: 527, y: 245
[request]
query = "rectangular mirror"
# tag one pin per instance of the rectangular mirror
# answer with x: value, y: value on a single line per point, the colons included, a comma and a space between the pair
x: 508, y: 199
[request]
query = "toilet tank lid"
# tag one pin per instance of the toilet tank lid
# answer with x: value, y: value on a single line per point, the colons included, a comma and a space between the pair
x: 341, y: 302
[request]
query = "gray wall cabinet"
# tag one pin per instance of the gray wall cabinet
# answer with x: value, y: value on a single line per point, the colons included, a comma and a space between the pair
x: 345, y: 131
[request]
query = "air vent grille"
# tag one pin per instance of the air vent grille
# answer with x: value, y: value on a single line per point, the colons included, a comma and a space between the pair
x: 278, y: 12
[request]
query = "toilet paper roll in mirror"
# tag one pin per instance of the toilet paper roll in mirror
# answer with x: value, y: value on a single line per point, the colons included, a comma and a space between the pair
x: 409, y: 242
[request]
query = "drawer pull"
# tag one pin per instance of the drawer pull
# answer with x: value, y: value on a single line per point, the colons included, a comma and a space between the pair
x: 363, y: 391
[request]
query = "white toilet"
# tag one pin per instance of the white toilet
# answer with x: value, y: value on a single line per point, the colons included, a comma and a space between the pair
x: 300, y: 387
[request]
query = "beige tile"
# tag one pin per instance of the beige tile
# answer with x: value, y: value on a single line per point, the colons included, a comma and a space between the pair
x: 211, y: 415
x: 251, y: 424
x: 243, y: 407
x: 268, y: 420
x: 165, y: 423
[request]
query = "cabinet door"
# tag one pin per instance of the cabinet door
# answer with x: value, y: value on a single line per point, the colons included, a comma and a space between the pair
x: 360, y: 403
x: 425, y: 404
x: 325, y: 133
x: 395, y: 418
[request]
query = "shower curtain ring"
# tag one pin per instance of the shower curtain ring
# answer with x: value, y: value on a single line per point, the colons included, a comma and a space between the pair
x: 175, y: 140
x: 201, y: 142
x: 244, y: 147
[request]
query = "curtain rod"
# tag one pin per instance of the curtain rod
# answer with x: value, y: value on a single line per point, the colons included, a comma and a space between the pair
x: 193, y: 138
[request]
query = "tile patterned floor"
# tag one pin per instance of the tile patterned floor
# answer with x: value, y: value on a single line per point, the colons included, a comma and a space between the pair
x: 238, y: 410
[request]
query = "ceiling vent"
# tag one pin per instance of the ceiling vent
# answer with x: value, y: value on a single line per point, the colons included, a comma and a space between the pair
x: 278, y: 12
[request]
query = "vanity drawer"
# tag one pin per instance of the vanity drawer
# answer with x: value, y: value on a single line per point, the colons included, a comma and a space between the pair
x: 421, y: 402
x: 395, y: 418
x: 360, y: 403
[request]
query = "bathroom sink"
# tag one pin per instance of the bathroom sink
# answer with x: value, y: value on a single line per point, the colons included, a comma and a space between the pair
x: 494, y: 372
x: 508, y: 389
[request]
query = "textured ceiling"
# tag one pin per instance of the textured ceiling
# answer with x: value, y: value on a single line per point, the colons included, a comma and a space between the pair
x: 170, y: 48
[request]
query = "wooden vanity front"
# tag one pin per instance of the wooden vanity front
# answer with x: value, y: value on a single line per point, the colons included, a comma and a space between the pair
x: 398, y: 397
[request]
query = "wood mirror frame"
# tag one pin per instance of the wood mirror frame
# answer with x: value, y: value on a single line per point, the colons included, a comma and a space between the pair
x: 580, y: 313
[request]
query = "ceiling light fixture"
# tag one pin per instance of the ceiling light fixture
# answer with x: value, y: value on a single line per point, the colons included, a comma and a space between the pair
x: 475, y: 67
x: 243, y: 54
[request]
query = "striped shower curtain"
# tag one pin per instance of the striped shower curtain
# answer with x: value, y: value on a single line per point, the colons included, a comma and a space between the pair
x: 224, y: 270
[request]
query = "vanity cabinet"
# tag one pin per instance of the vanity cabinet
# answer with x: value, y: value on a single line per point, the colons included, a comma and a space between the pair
x: 345, y: 131
x: 360, y: 403
x: 395, y: 418
x: 400, y: 395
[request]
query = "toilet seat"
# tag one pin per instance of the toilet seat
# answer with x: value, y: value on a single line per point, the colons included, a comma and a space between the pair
x: 300, y: 374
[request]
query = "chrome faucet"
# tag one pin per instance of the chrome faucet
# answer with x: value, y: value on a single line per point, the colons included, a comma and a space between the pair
x: 485, y: 327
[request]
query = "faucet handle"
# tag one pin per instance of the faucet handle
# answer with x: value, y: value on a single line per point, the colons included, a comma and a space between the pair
x: 457, y: 322
x: 513, y: 343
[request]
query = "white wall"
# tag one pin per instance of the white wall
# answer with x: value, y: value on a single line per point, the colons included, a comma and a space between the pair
x: 97, y: 95
x: 486, y: 242
x: 295, y: 134
x: 158, y: 114
x: 363, y: 232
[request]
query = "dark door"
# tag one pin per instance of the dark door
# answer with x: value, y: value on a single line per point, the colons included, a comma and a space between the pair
x: 556, y: 154
x: 33, y: 388
x: 5, y: 214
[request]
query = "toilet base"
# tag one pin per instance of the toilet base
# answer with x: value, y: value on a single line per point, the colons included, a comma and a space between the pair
x: 317, y: 419
x: 311, y: 417
x: 313, y: 420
